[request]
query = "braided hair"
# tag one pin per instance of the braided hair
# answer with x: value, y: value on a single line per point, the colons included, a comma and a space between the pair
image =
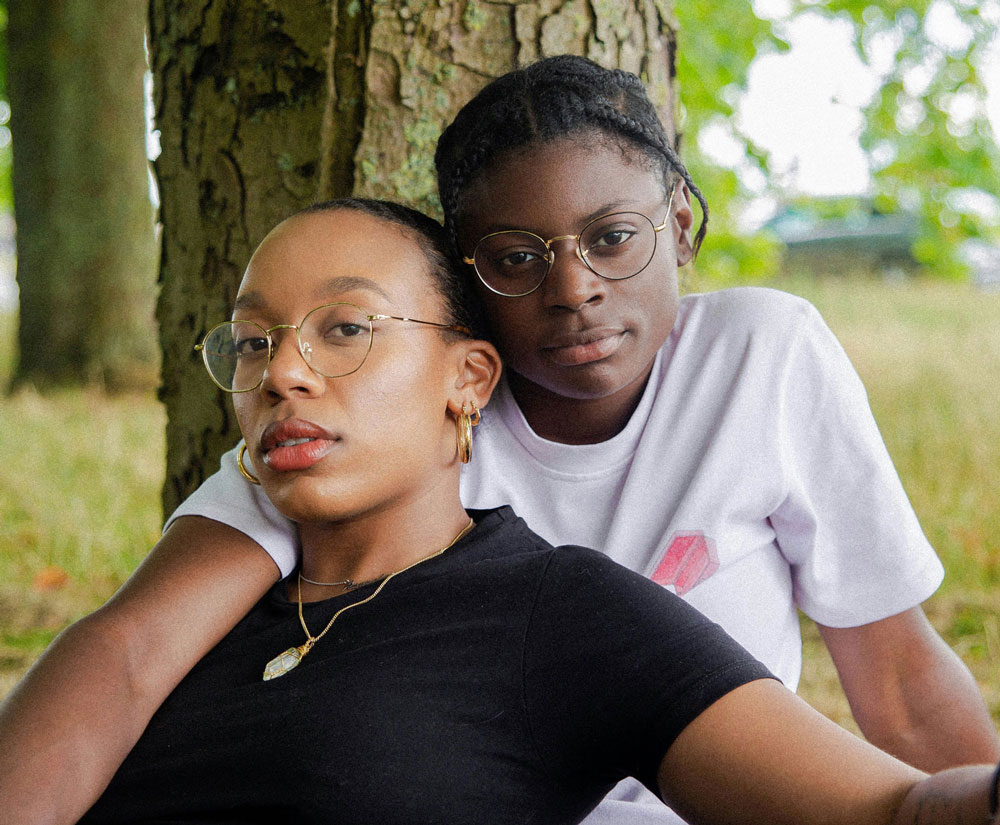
x: 549, y: 99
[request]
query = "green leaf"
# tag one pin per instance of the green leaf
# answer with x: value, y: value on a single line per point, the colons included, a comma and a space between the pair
x: 926, y: 132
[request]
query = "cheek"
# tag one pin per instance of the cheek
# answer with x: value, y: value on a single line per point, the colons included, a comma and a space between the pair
x: 653, y: 293
x: 243, y: 406
x: 659, y: 294
x: 402, y: 406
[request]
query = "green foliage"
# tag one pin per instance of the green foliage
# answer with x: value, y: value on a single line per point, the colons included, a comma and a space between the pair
x: 930, y: 145
x: 733, y: 258
x: 717, y: 41
x: 927, y: 132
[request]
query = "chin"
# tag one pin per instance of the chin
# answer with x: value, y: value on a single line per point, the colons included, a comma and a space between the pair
x: 300, y: 501
x: 588, y: 382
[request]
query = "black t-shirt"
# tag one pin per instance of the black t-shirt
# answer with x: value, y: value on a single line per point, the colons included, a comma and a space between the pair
x: 503, y: 681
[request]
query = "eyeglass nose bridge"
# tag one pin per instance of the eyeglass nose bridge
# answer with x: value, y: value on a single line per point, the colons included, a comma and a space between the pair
x: 304, y: 348
x: 551, y: 253
x: 550, y: 241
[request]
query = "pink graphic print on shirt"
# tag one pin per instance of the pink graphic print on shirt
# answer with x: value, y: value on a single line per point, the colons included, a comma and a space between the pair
x: 689, y: 559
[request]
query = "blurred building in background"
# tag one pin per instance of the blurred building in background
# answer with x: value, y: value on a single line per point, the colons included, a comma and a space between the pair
x: 846, y: 236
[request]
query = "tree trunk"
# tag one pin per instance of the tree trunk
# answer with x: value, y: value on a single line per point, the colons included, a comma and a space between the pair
x: 85, y: 247
x: 265, y: 106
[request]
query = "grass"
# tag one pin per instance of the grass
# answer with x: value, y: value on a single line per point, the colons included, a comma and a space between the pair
x: 8, y: 346
x: 929, y: 354
x: 80, y: 474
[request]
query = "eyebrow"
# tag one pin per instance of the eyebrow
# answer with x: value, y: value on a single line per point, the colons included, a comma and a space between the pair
x: 344, y: 283
x: 604, y: 209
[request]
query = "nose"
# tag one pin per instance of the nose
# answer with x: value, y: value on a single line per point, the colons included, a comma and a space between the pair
x: 287, y: 373
x: 570, y: 283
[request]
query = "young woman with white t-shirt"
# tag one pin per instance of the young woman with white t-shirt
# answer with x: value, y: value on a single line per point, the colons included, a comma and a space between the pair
x: 720, y: 444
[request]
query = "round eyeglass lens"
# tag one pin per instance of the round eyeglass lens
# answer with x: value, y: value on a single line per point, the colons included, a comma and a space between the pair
x: 619, y: 246
x: 336, y: 339
x: 511, y: 263
x: 236, y: 354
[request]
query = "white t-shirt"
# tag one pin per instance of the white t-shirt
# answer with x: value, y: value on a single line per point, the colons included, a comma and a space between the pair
x: 751, y: 479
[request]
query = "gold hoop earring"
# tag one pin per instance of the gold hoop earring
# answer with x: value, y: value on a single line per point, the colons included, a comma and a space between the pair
x: 243, y: 469
x: 465, y: 422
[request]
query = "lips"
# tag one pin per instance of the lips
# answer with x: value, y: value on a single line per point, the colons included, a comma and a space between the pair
x: 295, y: 444
x: 585, y: 346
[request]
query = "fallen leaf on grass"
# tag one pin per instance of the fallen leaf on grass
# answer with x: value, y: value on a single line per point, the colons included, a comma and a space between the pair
x: 50, y: 578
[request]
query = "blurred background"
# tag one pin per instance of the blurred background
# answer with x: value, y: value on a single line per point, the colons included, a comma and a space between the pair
x: 848, y: 151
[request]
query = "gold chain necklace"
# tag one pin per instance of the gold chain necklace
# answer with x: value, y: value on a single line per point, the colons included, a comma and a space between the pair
x: 290, y: 659
x: 347, y: 584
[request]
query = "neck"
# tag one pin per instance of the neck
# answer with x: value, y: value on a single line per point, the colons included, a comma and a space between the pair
x: 576, y: 420
x: 373, y: 545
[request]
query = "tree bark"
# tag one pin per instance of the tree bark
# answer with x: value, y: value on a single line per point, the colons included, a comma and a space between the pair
x: 265, y: 106
x: 85, y: 246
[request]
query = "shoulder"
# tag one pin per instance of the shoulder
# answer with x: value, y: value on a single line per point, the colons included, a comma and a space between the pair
x: 583, y: 562
x: 581, y: 586
x: 591, y: 611
x: 501, y: 544
x: 746, y: 310
x: 501, y: 531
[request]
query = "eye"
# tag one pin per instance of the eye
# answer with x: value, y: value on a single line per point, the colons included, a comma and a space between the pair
x: 345, y: 329
x: 335, y: 325
x: 520, y: 258
x: 250, y: 345
x: 612, y: 237
x: 505, y: 252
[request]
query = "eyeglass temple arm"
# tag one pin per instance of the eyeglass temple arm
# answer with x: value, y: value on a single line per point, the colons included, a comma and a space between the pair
x: 666, y: 218
x: 454, y: 327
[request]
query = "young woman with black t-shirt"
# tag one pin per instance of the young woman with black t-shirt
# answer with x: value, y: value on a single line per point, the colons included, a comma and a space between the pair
x: 431, y: 665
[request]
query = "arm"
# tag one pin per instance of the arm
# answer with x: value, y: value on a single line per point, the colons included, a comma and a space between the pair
x: 910, y: 693
x: 861, y: 562
x: 67, y: 726
x: 760, y: 754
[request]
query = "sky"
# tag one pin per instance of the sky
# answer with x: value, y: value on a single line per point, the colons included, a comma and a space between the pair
x: 804, y: 105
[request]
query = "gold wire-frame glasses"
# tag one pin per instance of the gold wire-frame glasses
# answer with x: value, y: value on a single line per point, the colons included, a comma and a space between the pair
x: 333, y: 339
x: 522, y: 279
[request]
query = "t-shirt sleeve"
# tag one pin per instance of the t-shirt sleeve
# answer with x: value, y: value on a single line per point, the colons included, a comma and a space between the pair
x: 846, y: 526
x: 615, y: 667
x: 229, y: 498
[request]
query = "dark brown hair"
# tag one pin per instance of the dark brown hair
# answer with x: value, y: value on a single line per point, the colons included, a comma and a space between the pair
x: 552, y: 98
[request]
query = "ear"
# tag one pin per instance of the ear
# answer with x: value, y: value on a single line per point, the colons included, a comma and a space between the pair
x: 478, y: 373
x: 683, y: 221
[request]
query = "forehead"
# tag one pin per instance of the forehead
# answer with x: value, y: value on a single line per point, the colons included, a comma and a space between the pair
x: 311, y: 255
x: 552, y: 187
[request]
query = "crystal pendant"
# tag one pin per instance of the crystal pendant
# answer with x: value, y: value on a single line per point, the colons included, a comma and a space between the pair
x: 289, y: 660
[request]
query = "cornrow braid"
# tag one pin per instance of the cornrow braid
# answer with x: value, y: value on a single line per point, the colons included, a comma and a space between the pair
x: 614, y: 121
x: 549, y: 99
